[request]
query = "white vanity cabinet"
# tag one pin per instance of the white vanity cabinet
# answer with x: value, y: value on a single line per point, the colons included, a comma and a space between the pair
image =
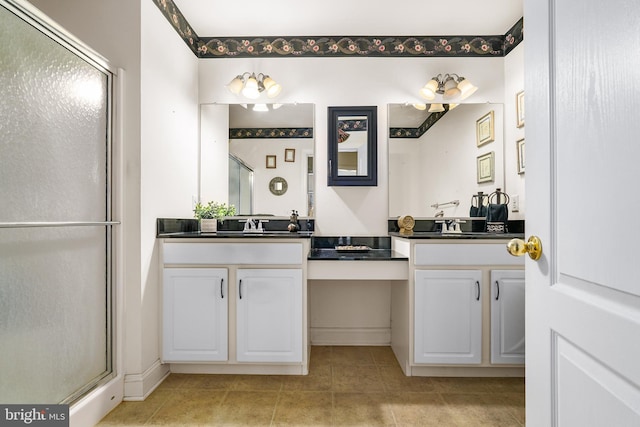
x: 234, y: 305
x: 194, y: 314
x: 448, y: 316
x: 269, y: 315
x: 446, y: 320
x: 507, y: 316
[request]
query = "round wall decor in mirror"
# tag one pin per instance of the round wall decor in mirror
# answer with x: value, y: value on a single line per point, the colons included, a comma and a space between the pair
x: 278, y: 186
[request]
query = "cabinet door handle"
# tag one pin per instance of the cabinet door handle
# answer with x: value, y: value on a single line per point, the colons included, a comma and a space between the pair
x: 330, y: 170
x: 477, y: 290
x: 240, y: 288
x: 498, y: 290
x: 221, y: 286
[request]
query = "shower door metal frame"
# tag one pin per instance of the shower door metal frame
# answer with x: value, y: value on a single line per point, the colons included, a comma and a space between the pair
x: 44, y: 25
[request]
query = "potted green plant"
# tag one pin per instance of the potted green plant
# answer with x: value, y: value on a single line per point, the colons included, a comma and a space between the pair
x: 210, y: 213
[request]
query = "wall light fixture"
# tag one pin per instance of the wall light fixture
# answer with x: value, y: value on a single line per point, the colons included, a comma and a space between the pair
x: 251, y: 86
x: 450, y: 86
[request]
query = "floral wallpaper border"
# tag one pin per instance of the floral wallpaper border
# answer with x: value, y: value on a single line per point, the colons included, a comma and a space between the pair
x: 341, y: 46
x: 264, y: 133
x: 353, y: 125
x: 514, y: 36
x: 420, y: 130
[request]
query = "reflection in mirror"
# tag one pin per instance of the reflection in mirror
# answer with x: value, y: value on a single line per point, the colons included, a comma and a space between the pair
x: 352, y: 146
x: 434, y: 159
x: 240, y: 185
x: 235, y: 142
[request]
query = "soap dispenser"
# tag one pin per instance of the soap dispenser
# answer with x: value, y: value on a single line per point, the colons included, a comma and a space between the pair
x: 293, y: 222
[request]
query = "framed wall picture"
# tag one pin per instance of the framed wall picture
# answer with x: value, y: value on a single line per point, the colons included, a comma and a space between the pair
x: 485, y: 167
x: 289, y: 155
x: 271, y: 162
x: 520, y: 109
x: 520, y: 144
x: 484, y: 129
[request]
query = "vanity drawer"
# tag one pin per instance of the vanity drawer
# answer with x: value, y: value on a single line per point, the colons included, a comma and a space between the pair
x: 232, y: 253
x: 435, y: 254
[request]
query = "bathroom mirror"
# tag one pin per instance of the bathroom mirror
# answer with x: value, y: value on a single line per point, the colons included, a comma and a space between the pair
x: 352, y: 146
x: 434, y: 159
x: 237, y: 140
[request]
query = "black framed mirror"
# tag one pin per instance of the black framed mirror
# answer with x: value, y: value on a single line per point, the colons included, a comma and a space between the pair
x: 353, y: 146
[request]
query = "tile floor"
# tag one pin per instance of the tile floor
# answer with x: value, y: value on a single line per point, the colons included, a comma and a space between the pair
x: 346, y: 386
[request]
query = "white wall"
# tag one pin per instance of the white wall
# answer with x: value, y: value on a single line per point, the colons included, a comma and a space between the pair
x: 169, y: 147
x: 214, y: 150
x: 513, y: 83
x: 351, y: 81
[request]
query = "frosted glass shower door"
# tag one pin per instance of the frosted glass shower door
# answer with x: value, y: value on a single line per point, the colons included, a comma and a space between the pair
x: 55, y: 215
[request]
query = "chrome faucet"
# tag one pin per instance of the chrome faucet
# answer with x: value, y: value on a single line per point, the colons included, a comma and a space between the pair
x: 249, y: 225
x: 254, y: 226
x: 439, y: 214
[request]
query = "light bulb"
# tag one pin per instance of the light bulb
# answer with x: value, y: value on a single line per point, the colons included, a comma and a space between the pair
x: 451, y: 90
x: 235, y: 85
x: 251, y: 90
x: 466, y: 89
x: 429, y: 90
x: 273, y: 89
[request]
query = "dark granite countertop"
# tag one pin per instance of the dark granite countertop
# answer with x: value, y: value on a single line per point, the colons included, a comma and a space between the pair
x: 232, y: 227
x: 370, y: 255
x: 325, y: 248
x: 470, y: 235
x: 237, y: 234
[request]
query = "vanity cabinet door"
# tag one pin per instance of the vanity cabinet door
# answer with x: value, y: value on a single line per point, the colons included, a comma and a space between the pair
x: 269, y: 315
x: 194, y: 308
x: 507, y: 316
x: 448, y: 316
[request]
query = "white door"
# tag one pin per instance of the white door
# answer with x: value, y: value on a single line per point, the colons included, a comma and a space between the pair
x: 582, y: 87
x: 194, y: 314
x: 269, y: 315
x: 448, y: 316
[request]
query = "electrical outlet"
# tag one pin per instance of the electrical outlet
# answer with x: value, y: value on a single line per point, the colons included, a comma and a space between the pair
x: 515, y: 203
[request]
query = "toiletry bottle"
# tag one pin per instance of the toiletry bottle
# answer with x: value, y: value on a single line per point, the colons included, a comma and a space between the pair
x: 293, y: 222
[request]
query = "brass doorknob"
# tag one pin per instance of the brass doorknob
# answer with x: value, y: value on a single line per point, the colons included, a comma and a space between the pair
x: 533, y: 247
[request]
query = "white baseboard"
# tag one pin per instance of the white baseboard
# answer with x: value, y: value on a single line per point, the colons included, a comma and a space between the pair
x: 466, y: 371
x: 138, y: 386
x: 239, y: 368
x: 350, y: 336
x: 96, y: 404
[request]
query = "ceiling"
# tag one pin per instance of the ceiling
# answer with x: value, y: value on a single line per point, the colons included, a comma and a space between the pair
x: 229, y: 18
